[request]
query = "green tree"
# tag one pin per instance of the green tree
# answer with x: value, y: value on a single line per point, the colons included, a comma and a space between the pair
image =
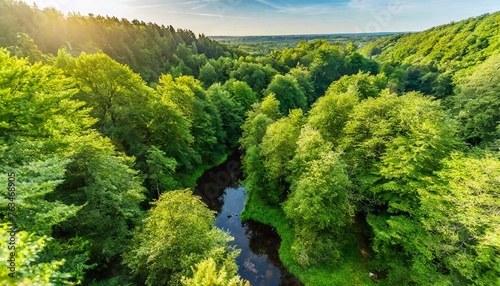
x: 258, y: 119
x: 68, y: 172
x: 177, y: 234
x: 277, y: 148
x: 25, y: 268
x: 170, y: 130
x: 310, y: 146
x: 231, y: 113
x: 208, y: 75
x: 326, y: 66
x: 395, y: 144
x: 187, y: 95
x: 392, y: 142
x: 26, y: 47
x: 255, y: 75
x: 319, y: 202
x: 477, y: 104
x: 161, y: 170
x: 117, y: 96
x: 362, y: 84
x: 241, y: 92
x: 58, y: 120
x: 287, y: 92
x: 206, y: 273
x: 38, y: 124
x: 330, y: 114
x: 303, y: 78
x: 451, y: 239
x: 35, y: 180
x: 462, y: 209
x: 110, y: 192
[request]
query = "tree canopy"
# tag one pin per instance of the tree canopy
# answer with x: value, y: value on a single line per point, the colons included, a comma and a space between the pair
x: 385, y: 164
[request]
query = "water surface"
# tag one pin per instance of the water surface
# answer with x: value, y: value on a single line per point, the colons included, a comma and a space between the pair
x: 259, y: 261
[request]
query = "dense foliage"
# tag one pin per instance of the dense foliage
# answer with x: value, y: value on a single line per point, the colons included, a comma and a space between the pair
x: 149, y: 49
x: 412, y: 151
x: 398, y: 151
x: 264, y: 45
x: 178, y: 234
x: 436, y: 60
x: 91, y: 143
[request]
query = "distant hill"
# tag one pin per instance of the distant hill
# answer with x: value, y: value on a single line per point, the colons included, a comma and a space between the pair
x: 454, y: 48
x: 263, y: 45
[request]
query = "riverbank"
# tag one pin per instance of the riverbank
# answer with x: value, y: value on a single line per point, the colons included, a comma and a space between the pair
x: 350, y: 271
x: 190, y: 181
x: 259, y: 261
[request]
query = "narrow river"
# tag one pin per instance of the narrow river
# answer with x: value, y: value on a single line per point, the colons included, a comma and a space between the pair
x: 259, y: 261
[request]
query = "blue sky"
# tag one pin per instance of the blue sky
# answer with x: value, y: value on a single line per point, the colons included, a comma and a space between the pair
x: 278, y: 17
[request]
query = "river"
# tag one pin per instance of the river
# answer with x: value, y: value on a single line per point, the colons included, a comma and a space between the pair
x: 259, y: 261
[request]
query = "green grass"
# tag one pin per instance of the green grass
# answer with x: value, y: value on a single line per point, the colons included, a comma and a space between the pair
x: 350, y: 271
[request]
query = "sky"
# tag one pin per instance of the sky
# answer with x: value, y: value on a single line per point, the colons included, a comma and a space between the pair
x: 283, y: 17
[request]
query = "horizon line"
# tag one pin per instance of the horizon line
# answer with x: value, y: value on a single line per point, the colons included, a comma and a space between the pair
x: 317, y: 34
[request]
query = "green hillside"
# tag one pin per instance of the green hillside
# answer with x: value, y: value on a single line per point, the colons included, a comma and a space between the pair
x: 455, y: 48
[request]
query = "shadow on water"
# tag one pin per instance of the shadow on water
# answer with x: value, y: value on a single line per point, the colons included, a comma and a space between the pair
x: 259, y: 261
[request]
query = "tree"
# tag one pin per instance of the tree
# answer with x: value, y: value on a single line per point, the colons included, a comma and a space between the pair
x: 287, y: 92
x: 354, y: 63
x: 241, y: 92
x: 326, y: 66
x: 68, y: 172
x: 50, y: 130
x: 35, y: 180
x: 330, y: 114
x: 361, y: 84
x: 319, y: 202
x: 258, y: 119
x: 161, y: 170
x: 255, y: 75
x: 277, y: 148
x: 451, y: 239
x: 270, y: 107
x: 177, y: 234
x: 261, y: 116
x: 395, y: 144
x: 170, y: 130
x: 107, y: 84
x: 208, y: 75
x: 38, y: 123
x: 206, y: 273
x: 26, y: 47
x: 230, y: 112
x: 117, y: 96
x: 477, y: 106
x: 303, y: 78
x: 392, y: 142
x: 187, y: 95
x: 310, y: 146
x: 25, y: 269
x: 111, y: 193
x: 462, y: 209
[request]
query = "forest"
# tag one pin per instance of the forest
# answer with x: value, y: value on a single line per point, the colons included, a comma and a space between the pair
x: 381, y: 159
x: 264, y: 45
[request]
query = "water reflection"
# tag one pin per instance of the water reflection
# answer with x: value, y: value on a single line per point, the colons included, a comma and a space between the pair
x: 210, y: 187
x: 259, y: 261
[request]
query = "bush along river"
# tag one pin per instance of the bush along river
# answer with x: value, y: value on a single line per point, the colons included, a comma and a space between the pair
x: 258, y: 261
